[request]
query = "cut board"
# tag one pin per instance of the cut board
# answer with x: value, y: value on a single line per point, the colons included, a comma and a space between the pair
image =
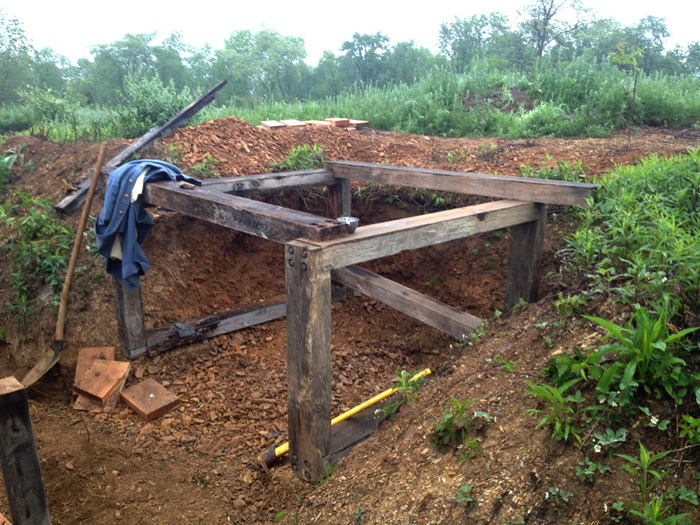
x: 359, y: 123
x: 318, y: 123
x: 102, y: 379
x: 271, y: 124
x: 339, y: 122
x: 87, y: 356
x: 293, y: 123
x: 4, y: 520
x: 87, y: 404
x: 149, y: 399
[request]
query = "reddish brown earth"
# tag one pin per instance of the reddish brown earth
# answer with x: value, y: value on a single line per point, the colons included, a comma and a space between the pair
x: 198, y: 465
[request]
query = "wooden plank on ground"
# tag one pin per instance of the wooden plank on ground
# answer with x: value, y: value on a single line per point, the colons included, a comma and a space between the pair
x: 499, y: 186
x: 350, y: 432
x: 308, y: 361
x: 525, y: 259
x: 387, y: 238
x: 426, y: 309
x: 19, y: 459
x: 4, y: 520
x: 339, y: 122
x: 318, y: 123
x: 86, y: 404
x: 359, y: 123
x: 102, y: 379
x: 168, y: 337
x: 268, y: 221
x: 271, y: 182
x: 271, y: 124
x: 75, y: 200
x: 149, y: 399
x: 293, y: 123
x: 86, y: 356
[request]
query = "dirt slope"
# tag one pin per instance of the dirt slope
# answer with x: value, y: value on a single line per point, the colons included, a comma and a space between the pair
x: 197, y: 464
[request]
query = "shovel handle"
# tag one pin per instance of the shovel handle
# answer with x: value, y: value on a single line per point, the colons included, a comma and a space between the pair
x: 60, y: 323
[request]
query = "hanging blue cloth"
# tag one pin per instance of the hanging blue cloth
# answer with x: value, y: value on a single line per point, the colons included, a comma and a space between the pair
x: 123, y: 225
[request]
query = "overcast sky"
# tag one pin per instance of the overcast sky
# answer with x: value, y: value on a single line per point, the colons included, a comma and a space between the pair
x: 69, y: 27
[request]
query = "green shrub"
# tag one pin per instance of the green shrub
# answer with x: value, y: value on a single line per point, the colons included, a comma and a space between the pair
x: 303, y: 157
x: 456, y: 422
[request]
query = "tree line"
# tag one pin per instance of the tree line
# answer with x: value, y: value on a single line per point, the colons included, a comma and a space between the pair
x: 266, y: 65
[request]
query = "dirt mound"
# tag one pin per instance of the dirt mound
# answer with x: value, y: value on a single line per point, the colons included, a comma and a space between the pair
x: 497, y: 99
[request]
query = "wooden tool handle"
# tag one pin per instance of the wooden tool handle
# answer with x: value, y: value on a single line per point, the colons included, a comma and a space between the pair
x: 60, y: 323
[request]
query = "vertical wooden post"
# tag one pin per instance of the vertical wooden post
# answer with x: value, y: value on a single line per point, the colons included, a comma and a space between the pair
x: 132, y: 333
x: 525, y: 259
x: 339, y: 199
x: 19, y: 459
x: 308, y: 360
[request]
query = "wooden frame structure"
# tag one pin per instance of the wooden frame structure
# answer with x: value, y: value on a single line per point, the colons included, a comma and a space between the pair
x: 320, y: 250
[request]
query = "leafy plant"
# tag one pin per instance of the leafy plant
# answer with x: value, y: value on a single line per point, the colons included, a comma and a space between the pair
x: 645, y: 357
x: 432, y: 282
x: 473, y: 448
x: 569, y: 304
x: 558, y: 412
x: 360, y: 514
x: 206, y: 168
x: 302, y: 157
x: 609, y: 439
x: 586, y: 469
x: 406, y: 395
x: 456, y: 422
x: 690, y: 429
x: 558, y: 496
x: 507, y: 365
x: 463, y: 497
x: 647, y: 477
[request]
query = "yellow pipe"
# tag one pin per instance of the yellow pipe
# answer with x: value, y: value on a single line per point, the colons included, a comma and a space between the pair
x: 283, y: 449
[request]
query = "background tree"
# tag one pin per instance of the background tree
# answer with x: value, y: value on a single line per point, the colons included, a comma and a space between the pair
x: 15, y: 59
x: 546, y: 22
x: 367, y: 53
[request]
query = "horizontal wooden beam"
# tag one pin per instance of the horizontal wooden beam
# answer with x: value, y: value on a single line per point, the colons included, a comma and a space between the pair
x: 268, y: 221
x: 197, y: 329
x: 434, y: 313
x: 70, y: 203
x: 387, y: 238
x: 499, y: 186
x: 271, y: 182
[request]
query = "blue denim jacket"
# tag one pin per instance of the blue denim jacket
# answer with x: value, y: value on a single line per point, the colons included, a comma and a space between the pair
x: 120, y: 215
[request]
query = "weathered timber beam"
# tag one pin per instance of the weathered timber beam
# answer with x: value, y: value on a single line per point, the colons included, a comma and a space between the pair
x: 499, y: 186
x: 268, y: 221
x: 339, y: 198
x: 525, y: 259
x: 74, y: 200
x: 197, y: 329
x: 19, y: 459
x: 434, y: 313
x: 387, y: 238
x: 271, y: 182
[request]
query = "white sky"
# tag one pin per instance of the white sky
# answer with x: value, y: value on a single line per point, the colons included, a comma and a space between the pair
x: 69, y: 27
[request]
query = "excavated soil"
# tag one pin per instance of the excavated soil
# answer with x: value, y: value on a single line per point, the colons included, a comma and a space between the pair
x: 197, y: 464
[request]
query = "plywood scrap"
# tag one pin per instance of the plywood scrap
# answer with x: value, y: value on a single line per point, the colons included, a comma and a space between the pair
x: 318, y: 123
x: 149, y: 399
x: 102, y: 379
x: 87, y: 356
x: 293, y: 123
x: 271, y: 124
x: 359, y: 123
x: 4, y: 520
x: 339, y: 122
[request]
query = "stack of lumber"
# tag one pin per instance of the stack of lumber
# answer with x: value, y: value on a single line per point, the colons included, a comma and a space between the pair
x: 344, y: 123
x: 99, y: 383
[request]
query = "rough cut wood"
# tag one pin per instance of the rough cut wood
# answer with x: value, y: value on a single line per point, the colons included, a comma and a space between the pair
x: 271, y: 124
x: 318, y: 123
x: 349, y: 433
x: 264, y: 220
x: 132, y: 334
x: 86, y: 404
x: 271, y: 182
x: 339, y: 122
x: 19, y: 459
x: 75, y: 200
x: 308, y: 361
x: 149, y: 399
x: 499, y: 186
x: 339, y: 199
x: 359, y: 123
x: 86, y: 356
x: 434, y: 313
x: 525, y: 259
x: 387, y: 238
x: 293, y: 123
x: 4, y: 520
x: 167, y: 337
x: 102, y: 379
